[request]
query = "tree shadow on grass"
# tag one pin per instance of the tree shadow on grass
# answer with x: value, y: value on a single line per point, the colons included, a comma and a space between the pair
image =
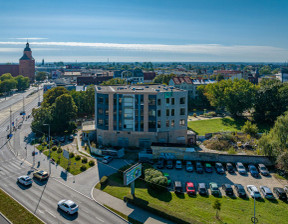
x: 162, y: 196
x: 235, y: 123
x: 180, y: 195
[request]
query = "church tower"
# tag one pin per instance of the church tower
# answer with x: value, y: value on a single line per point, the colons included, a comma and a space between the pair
x: 27, y: 64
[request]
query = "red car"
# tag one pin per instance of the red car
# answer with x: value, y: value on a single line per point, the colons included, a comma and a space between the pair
x: 190, y: 189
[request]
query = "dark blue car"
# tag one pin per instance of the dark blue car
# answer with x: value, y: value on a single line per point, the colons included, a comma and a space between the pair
x: 253, y: 170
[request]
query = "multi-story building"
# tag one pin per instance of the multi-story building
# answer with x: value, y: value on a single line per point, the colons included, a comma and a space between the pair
x: 140, y: 115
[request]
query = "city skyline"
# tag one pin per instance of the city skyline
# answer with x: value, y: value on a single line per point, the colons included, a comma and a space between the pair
x: 128, y: 31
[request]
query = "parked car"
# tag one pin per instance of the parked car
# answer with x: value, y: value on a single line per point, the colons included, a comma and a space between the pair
x: 263, y: 170
x: 68, y: 206
x: 240, y: 168
x: 202, y: 189
x: 253, y: 171
x: 208, y: 168
x: 230, y: 168
x: 160, y: 164
x: 169, y: 164
x: 190, y: 189
x: 25, y: 180
x: 41, y: 175
x: 228, y: 189
x: 189, y: 166
x: 240, y: 190
x: 286, y: 188
x: 214, y: 188
x: 267, y: 193
x: 199, y: 167
x: 178, y: 187
x: 253, y: 191
x: 178, y: 164
x: 280, y: 193
x: 219, y: 168
x: 107, y: 159
x: 168, y: 178
x: 62, y: 139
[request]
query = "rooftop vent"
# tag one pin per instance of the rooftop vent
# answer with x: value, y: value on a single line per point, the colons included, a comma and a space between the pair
x: 146, y: 86
x: 157, y: 90
x: 139, y: 88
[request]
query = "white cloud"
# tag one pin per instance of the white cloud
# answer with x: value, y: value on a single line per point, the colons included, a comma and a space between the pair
x: 28, y: 38
x: 5, y: 49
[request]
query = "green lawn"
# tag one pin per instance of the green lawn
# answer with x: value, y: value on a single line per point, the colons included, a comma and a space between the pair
x: 216, y: 125
x: 200, y: 208
x: 63, y: 162
x: 15, y: 212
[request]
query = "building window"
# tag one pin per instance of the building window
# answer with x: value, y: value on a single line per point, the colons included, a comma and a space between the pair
x: 152, y: 112
x: 106, y: 101
x: 100, y: 100
x: 106, y: 122
x: 106, y: 112
x: 182, y: 111
x: 100, y: 122
x: 173, y: 101
x: 167, y: 112
x: 152, y: 124
x: 159, y: 102
x: 182, y: 100
x: 100, y: 111
x: 167, y: 123
x: 182, y: 122
x: 167, y: 100
x: 159, y: 124
x: 152, y: 100
x: 172, y: 123
x: 159, y: 113
x: 172, y: 112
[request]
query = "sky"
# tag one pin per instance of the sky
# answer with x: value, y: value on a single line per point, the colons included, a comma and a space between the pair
x: 145, y: 30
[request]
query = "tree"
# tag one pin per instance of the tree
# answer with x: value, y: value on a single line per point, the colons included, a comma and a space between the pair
x: 51, y: 95
x: 41, y: 116
x: 7, y: 85
x: 114, y: 81
x: 217, y: 206
x: 249, y: 128
x: 163, y: 79
x: 6, y: 76
x: 265, y: 70
x: 40, y: 76
x: 22, y: 82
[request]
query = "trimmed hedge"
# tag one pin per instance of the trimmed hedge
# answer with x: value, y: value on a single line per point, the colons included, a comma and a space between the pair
x: 91, y: 163
x: 84, y: 160
x: 77, y: 157
x: 83, y: 168
x: 158, y: 210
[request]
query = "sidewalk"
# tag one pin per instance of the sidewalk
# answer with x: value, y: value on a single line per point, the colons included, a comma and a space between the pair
x: 127, y: 209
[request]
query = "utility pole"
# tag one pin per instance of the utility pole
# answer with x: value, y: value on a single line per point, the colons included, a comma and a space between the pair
x: 23, y: 108
x: 10, y: 121
x: 49, y: 147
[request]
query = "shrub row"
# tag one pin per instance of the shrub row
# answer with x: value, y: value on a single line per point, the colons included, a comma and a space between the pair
x: 158, y: 210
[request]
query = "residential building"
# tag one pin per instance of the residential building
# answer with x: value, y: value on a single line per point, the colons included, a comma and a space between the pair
x: 140, y: 115
x: 283, y: 74
x: 132, y: 76
x: 231, y: 74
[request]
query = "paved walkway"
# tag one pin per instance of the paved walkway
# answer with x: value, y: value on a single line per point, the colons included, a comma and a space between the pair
x: 127, y: 209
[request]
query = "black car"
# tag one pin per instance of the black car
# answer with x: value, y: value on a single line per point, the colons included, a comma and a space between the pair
x: 169, y: 164
x: 240, y: 190
x: 219, y: 168
x: 263, y: 170
x: 254, y: 172
x: 230, y: 168
x: 228, y: 189
x: 280, y: 193
x: 160, y: 164
x: 202, y: 189
x: 199, y: 167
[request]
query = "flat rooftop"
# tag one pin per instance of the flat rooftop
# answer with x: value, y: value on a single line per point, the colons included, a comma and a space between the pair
x: 137, y: 89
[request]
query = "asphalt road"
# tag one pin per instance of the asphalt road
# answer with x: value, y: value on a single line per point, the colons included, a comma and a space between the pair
x: 42, y: 197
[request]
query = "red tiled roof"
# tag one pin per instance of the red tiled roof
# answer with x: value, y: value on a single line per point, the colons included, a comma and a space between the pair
x: 179, y: 80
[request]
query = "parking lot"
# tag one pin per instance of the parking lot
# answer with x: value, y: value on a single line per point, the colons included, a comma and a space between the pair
x: 227, y: 178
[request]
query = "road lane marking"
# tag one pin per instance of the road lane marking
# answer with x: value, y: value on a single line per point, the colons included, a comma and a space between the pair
x: 99, y: 219
x: 51, y: 214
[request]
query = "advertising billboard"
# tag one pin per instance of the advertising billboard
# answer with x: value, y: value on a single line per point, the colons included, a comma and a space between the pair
x: 132, y: 173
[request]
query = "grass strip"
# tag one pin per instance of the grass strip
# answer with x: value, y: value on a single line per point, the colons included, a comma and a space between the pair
x: 15, y: 212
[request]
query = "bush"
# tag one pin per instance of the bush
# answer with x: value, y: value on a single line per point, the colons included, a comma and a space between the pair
x: 250, y: 128
x: 77, y: 157
x: 54, y: 148
x: 71, y: 155
x: 44, y: 143
x: 83, y: 168
x: 59, y: 150
x: 84, y: 160
x: 232, y: 151
x: 155, y: 179
x: 212, y: 114
x: 91, y: 163
x: 104, y: 181
x: 194, y: 115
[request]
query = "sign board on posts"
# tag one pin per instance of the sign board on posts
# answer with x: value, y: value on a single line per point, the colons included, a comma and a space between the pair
x: 66, y: 154
x: 132, y: 173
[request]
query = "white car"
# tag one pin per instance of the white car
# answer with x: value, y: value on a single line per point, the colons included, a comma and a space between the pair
x: 253, y: 191
x: 189, y: 166
x: 68, y: 206
x: 25, y: 180
x: 178, y: 164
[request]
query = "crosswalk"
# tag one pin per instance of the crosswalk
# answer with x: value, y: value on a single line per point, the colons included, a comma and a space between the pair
x: 13, y: 167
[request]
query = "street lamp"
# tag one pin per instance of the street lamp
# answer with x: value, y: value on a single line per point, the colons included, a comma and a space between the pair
x: 49, y: 147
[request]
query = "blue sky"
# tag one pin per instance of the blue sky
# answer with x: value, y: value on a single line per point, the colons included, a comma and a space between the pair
x: 138, y: 30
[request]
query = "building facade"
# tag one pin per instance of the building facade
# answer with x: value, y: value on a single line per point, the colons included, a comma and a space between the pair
x: 140, y: 115
x: 27, y: 64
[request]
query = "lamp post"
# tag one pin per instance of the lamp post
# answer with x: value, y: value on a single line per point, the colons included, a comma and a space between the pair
x: 49, y: 147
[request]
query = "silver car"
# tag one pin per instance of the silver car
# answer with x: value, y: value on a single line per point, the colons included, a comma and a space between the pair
x: 240, y: 168
x: 267, y: 193
x: 25, y: 180
x: 68, y: 206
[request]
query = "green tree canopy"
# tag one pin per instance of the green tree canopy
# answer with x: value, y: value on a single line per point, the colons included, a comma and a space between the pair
x: 265, y: 70
x: 40, y: 76
x: 163, y: 79
x: 114, y: 81
x: 22, y: 82
x: 51, y: 95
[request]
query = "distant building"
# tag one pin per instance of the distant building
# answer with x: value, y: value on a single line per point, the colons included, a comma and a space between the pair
x: 231, y: 74
x: 140, y: 115
x: 131, y: 76
x: 283, y: 74
x: 92, y: 80
x: 149, y: 76
x: 26, y: 66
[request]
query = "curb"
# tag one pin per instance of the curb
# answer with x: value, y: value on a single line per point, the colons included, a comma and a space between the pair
x: 22, y: 205
x: 91, y: 195
x: 7, y: 220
